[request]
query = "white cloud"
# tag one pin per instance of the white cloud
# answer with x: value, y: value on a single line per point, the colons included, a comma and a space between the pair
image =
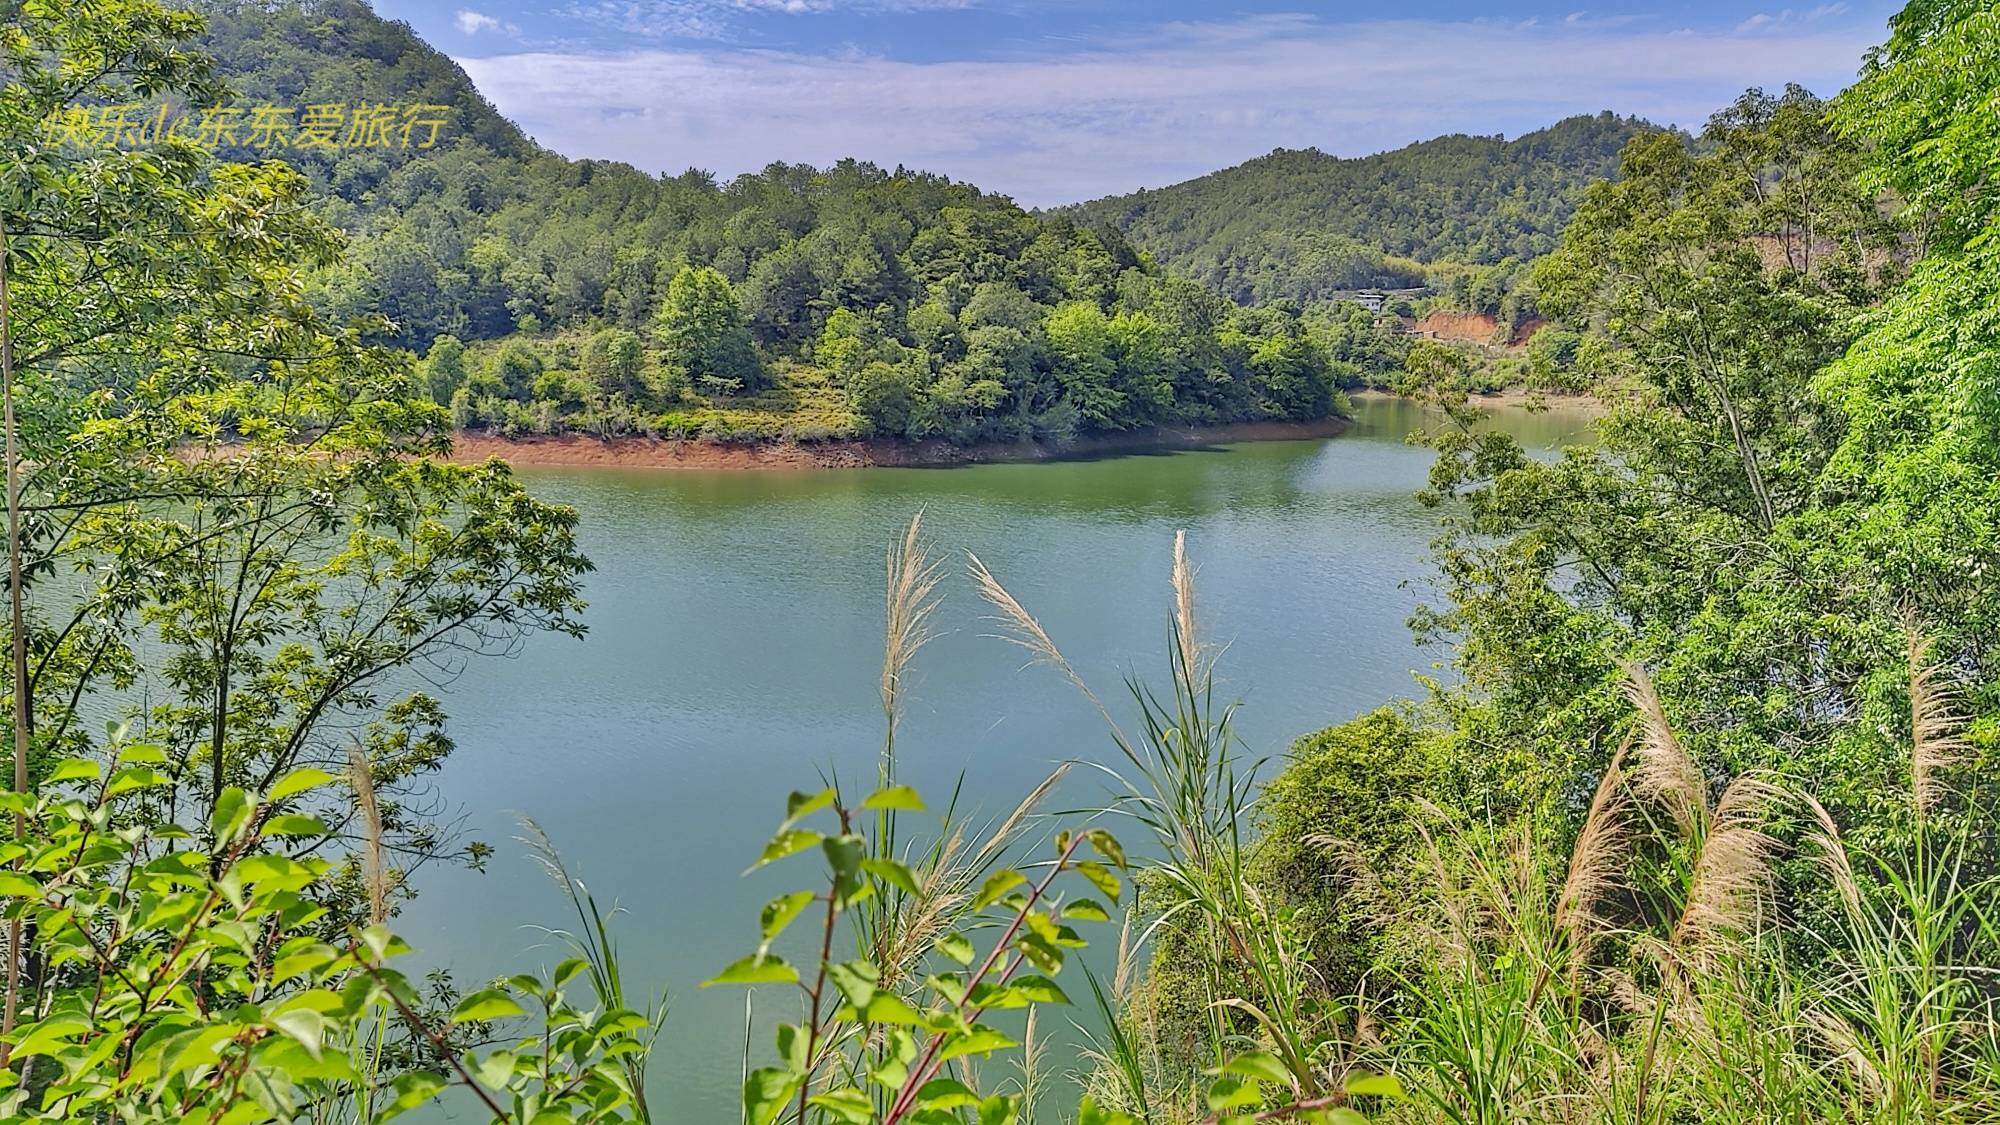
x: 715, y: 19
x: 472, y: 23
x: 1764, y: 21
x: 1184, y: 100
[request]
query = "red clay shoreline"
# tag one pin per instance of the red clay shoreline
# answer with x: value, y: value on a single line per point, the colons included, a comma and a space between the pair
x: 695, y: 454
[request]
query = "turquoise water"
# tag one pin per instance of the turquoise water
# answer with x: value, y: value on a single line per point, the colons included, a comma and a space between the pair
x: 735, y: 647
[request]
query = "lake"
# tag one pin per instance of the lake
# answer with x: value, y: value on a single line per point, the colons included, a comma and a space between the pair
x: 735, y: 648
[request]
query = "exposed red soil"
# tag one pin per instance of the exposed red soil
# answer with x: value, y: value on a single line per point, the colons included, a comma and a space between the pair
x: 1473, y: 328
x: 1470, y: 328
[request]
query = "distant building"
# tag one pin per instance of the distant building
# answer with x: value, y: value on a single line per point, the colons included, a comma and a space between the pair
x: 1371, y: 300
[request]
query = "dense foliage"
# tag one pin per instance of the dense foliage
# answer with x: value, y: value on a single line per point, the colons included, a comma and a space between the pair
x: 796, y: 302
x: 1302, y: 224
x: 1703, y: 832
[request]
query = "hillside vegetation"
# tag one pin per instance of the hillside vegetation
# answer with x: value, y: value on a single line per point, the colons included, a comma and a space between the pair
x: 1696, y: 823
x: 1302, y: 225
x: 796, y: 302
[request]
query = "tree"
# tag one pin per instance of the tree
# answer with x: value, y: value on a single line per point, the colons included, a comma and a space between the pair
x: 1727, y: 281
x: 444, y: 368
x: 701, y: 330
x: 936, y: 333
x: 514, y: 371
x: 1292, y: 375
x: 615, y: 362
x: 254, y: 484
x: 1731, y: 278
x: 884, y: 395
x: 1145, y: 366
x: 779, y: 297
x: 1080, y: 338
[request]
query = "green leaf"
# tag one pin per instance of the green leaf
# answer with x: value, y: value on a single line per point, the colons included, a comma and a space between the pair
x: 756, y: 969
x: 1037, y: 990
x: 485, y: 1006
x: 1040, y: 952
x: 14, y: 885
x: 72, y: 769
x: 892, y: 873
x: 898, y: 797
x: 142, y: 754
x: 957, y: 947
x: 494, y: 1070
x: 801, y: 805
x: 304, y: 1026
x: 792, y: 1047
x: 295, y: 824
x: 999, y: 1110
x: 981, y: 1040
x: 766, y: 1092
x: 201, y: 1048
x: 779, y: 912
x: 1232, y: 1093
x: 133, y: 778
x: 297, y: 782
x: 887, y: 1007
x: 1261, y: 1065
x: 997, y: 885
x: 855, y: 979
x: 899, y: 1051
x: 382, y: 942
x: 1101, y: 877
x: 1106, y: 845
x: 47, y: 1036
x: 231, y: 813
x: 415, y: 1088
x: 843, y: 855
x: 789, y: 842
x: 946, y: 1093
x: 847, y: 1104
x: 1376, y: 1086
x: 1087, y: 910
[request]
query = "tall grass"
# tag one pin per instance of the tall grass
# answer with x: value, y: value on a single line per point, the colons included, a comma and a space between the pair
x: 1178, y: 781
x: 1642, y: 968
x: 1545, y: 982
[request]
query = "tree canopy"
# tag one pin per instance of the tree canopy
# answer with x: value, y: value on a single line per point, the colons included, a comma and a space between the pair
x: 1301, y: 224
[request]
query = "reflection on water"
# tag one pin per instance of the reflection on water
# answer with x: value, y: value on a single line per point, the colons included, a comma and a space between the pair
x: 736, y: 635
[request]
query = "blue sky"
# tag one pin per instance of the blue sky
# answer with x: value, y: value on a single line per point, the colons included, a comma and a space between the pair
x: 1053, y: 101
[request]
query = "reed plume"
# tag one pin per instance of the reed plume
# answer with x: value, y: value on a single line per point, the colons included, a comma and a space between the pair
x: 1732, y: 873
x: 1935, y: 742
x: 912, y: 599
x: 1593, y: 862
x: 1830, y: 852
x: 1666, y: 772
x: 1020, y: 627
x: 1187, y: 641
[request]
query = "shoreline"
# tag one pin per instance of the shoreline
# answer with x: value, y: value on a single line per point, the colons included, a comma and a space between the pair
x: 694, y: 454
x: 1507, y: 398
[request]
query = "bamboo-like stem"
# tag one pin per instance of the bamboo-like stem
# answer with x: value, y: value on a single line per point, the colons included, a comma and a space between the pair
x: 927, y: 1065
x: 18, y: 665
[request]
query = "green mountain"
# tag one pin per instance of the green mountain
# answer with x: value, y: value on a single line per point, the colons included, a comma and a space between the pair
x: 560, y: 295
x: 1301, y: 224
x: 590, y: 295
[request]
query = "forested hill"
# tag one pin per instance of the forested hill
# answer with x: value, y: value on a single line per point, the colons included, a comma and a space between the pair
x: 487, y: 234
x: 1301, y: 224
x: 553, y: 295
